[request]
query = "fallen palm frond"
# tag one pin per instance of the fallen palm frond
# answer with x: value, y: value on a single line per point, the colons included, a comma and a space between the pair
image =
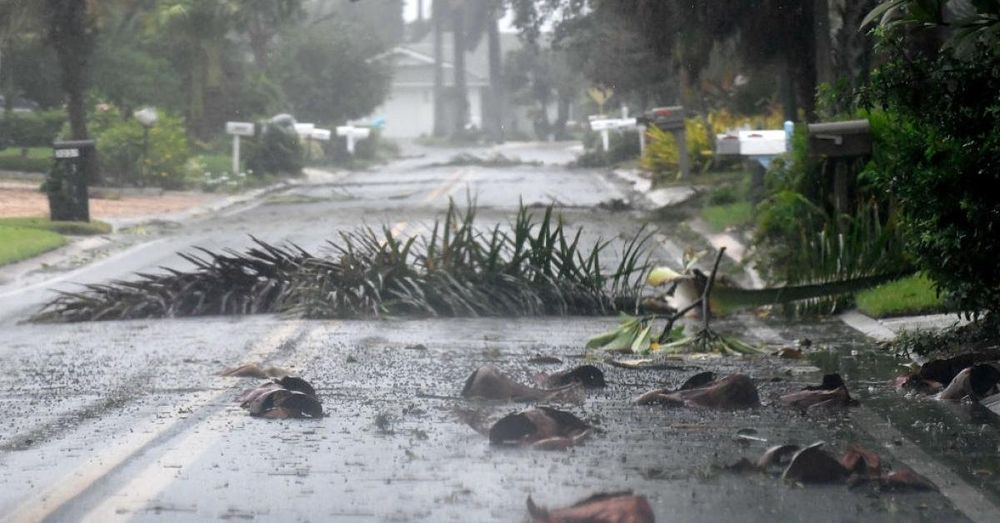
x: 634, y: 333
x: 532, y: 267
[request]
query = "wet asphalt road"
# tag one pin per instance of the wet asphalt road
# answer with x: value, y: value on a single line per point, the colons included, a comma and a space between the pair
x: 128, y: 421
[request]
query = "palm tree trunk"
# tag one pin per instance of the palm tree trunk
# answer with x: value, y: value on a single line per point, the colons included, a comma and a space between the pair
x: 497, y: 94
x: 438, y: 19
x: 73, y: 43
x: 461, y: 88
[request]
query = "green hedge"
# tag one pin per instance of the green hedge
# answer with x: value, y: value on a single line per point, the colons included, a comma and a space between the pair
x: 37, y: 129
x: 25, y: 164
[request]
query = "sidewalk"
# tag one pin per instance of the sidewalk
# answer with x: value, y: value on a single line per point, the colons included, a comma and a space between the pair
x: 22, y: 198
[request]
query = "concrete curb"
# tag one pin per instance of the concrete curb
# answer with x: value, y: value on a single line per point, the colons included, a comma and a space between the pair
x: 654, y: 198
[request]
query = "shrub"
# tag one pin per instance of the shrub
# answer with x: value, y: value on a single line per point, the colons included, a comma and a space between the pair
x: 120, y: 146
x: 662, y: 157
x: 26, y: 164
x: 277, y: 149
x: 941, y: 163
x: 37, y: 129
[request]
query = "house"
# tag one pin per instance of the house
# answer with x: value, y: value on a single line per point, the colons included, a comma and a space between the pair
x: 409, y: 108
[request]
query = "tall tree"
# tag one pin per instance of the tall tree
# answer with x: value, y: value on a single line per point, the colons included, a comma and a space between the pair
x: 685, y: 33
x: 460, y: 89
x: 197, y: 32
x: 71, y: 33
x: 262, y: 20
x: 439, y: 14
x: 498, y: 94
x: 16, y: 17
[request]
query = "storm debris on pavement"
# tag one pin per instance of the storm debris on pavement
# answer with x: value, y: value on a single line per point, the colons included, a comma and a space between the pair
x: 732, y: 392
x: 587, y: 376
x: 975, y: 382
x: 788, y: 353
x: 287, y: 397
x: 253, y: 370
x: 542, y: 428
x: 934, y: 375
x: 814, y: 465
x: 615, y: 507
x: 457, y: 270
x: 489, y: 383
x: 831, y: 393
x: 778, y: 455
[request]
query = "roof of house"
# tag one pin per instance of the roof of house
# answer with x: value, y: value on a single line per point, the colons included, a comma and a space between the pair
x: 413, y: 62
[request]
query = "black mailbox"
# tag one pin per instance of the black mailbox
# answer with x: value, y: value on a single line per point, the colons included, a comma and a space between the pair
x: 840, y: 139
x: 67, y: 181
x: 666, y: 118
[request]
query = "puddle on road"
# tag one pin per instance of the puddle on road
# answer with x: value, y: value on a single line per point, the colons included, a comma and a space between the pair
x: 964, y: 436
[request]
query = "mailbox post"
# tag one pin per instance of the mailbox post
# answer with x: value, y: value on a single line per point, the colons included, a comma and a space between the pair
x: 66, y: 185
x: 840, y: 143
x: 353, y: 134
x: 238, y: 129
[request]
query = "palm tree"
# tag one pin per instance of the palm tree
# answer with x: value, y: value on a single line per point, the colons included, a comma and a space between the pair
x: 198, y: 30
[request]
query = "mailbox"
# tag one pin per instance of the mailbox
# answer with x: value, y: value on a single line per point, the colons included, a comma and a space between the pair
x: 612, y: 124
x: 840, y: 139
x: 762, y: 143
x: 66, y: 184
x: 727, y: 145
x: 666, y: 118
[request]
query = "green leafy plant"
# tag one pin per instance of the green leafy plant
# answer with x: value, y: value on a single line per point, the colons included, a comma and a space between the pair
x: 532, y: 267
x: 635, y: 333
x: 277, y: 150
x: 941, y: 159
x: 126, y: 159
x: 36, y: 129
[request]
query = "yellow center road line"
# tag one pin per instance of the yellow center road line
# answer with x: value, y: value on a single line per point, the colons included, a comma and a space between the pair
x: 83, y: 477
x: 447, y: 188
x: 136, y: 495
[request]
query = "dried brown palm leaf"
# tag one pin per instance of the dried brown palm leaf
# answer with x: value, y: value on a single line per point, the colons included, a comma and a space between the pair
x: 616, y: 507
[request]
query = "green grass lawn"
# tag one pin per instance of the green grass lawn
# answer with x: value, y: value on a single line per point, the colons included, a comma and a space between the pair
x: 39, y: 159
x: 21, y: 243
x: 911, y: 295
x: 706, y: 179
x: 721, y: 217
x: 70, y: 228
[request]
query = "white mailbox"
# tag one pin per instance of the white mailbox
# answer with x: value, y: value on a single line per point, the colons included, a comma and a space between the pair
x: 240, y: 128
x: 322, y: 135
x: 304, y: 130
x: 353, y: 134
x: 762, y: 143
x: 612, y: 123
